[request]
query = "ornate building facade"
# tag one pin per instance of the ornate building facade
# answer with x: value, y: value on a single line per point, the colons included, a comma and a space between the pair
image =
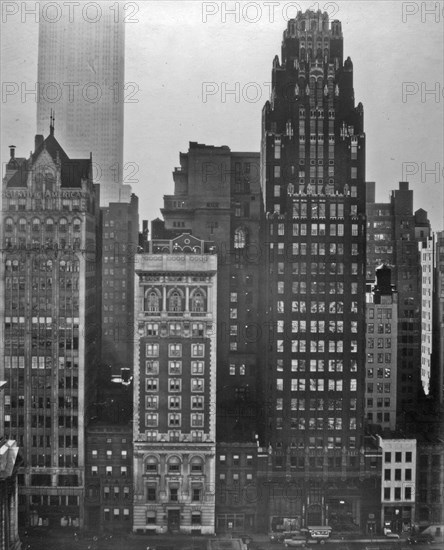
x: 49, y: 338
x: 175, y: 386
x: 313, y: 181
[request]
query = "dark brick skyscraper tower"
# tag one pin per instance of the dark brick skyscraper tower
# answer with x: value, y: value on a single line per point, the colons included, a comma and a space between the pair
x: 313, y: 174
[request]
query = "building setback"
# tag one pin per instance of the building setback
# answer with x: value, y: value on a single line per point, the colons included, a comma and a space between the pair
x: 49, y: 325
x: 175, y: 386
x: 313, y: 180
x: 381, y: 352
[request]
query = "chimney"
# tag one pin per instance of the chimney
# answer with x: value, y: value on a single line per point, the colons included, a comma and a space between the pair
x: 38, y: 140
x: 12, y: 151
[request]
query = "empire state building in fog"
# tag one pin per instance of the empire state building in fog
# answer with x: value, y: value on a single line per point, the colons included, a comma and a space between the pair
x: 81, y: 65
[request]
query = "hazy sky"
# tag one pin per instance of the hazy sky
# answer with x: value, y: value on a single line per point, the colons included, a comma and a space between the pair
x: 174, y: 52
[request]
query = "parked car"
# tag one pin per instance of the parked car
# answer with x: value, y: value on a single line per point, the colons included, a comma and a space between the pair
x: 280, y: 536
x: 421, y: 538
x: 391, y: 535
x: 296, y: 540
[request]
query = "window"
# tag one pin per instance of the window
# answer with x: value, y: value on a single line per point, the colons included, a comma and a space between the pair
x: 175, y: 301
x: 196, y: 495
x: 151, y: 494
x: 398, y: 457
x: 151, y: 401
x: 197, y: 384
x: 197, y: 350
x: 152, y: 367
x: 198, y: 302
x: 174, y: 367
x: 197, y: 402
x: 240, y: 238
x: 196, y: 465
x: 152, y: 350
x: 174, y: 350
x: 174, y: 419
x: 197, y: 420
x: 151, y: 384
x: 151, y: 465
x: 386, y: 493
x: 175, y: 329
x: 152, y: 329
x: 151, y: 420
x: 152, y: 301
x: 174, y: 464
x: 174, y: 402
x: 174, y: 384
x: 197, y: 330
x: 174, y: 494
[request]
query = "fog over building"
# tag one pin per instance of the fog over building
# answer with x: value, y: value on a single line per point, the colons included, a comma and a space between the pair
x: 81, y: 77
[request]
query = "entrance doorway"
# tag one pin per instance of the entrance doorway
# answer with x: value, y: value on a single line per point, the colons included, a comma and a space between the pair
x: 173, y: 521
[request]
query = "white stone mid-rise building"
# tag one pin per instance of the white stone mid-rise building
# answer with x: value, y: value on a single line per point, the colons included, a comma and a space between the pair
x: 175, y: 387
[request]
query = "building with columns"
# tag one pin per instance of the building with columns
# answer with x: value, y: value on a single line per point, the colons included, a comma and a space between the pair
x: 175, y: 387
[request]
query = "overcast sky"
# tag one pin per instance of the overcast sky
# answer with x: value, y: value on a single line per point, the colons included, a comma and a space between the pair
x: 174, y: 52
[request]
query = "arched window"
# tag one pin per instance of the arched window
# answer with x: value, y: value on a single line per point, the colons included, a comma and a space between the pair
x: 63, y: 225
x: 196, y: 465
x: 49, y: 225
x: 35, y: 225
x: 76, y: 225
x: 152, y: 300
x: 22, y: 224
x: 175, y: 301
x: 174, y: 464
x: 197, y: 301
x: 9, y: 225
x: 240, y: 238
x: 151, y: 465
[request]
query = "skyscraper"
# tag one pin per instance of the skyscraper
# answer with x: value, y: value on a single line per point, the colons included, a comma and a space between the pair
x: 81, y: 77
x: 49, y: 338
x: 313, y: 181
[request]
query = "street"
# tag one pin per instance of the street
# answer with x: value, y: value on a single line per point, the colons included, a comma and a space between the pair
x: 58, y: 541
